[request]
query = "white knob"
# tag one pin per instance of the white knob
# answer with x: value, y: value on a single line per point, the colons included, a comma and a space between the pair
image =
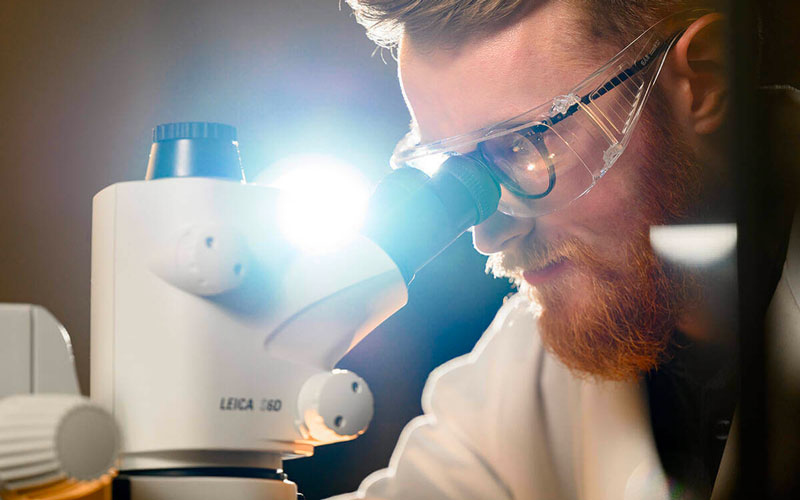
x: 335, y: 406
x: 44, y: 437
x: 205, y: 259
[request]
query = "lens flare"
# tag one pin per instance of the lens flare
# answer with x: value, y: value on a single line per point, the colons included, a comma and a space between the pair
x: 323, y: 202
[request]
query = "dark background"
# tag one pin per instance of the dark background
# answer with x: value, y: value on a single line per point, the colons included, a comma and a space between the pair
x: 83, y: 82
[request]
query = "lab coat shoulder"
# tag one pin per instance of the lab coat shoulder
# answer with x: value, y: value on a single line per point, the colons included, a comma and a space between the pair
x: 480, y: 435
x: 475, y: 395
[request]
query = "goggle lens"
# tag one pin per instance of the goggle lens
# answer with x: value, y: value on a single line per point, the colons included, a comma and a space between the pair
x: 541, y: 171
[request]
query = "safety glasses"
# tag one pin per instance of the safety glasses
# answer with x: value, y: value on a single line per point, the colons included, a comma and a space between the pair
x: 552, y: 155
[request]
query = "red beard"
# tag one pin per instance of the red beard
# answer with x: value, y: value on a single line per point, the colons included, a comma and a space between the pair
x: 624, y: 324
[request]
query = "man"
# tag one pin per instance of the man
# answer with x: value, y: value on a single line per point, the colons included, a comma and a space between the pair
x: 609, y: 376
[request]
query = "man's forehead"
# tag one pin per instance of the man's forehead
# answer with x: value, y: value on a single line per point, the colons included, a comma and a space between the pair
x: 454, y: 90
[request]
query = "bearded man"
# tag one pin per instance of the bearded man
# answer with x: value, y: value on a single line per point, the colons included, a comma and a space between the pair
x: 608, y: 375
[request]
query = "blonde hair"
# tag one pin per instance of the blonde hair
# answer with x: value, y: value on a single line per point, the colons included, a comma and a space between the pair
x: 451, y: 21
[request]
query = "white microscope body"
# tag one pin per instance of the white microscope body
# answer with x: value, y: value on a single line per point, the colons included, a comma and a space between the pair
x: 213, y: 340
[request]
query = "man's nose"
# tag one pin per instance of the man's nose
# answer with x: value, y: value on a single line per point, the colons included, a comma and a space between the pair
x: 499, y: 232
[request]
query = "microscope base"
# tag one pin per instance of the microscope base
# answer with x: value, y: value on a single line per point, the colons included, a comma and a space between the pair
x: 137, y: 487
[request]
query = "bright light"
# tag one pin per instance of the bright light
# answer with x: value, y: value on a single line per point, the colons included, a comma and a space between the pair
x: 324, y: 201
x: 694, y: 244
x: 430, y: 163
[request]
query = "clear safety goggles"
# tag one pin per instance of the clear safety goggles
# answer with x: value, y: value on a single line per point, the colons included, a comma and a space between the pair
x: 548, y: 157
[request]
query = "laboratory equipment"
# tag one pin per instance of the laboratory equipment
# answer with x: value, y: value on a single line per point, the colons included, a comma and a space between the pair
x: 214, y: 340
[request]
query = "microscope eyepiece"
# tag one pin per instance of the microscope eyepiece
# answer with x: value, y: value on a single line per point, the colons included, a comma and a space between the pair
x: 418, y: 217
x: 194, y: 149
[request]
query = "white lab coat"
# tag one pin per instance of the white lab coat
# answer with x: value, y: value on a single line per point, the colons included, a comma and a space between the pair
x: 510, y: 421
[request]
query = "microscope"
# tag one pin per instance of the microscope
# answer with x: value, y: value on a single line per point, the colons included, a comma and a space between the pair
x: 214, y: 340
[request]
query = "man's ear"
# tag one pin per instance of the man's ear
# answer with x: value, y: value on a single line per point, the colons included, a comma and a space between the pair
x: 699, y: 60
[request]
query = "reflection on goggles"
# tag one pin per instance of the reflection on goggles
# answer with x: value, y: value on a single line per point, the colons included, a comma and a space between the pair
x: 552, y: 155
x: 524, y: 162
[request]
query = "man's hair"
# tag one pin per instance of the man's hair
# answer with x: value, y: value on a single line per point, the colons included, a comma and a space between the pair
x: 429, y: 22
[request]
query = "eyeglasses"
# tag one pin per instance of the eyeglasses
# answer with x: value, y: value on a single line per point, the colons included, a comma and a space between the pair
x: 550, y: 156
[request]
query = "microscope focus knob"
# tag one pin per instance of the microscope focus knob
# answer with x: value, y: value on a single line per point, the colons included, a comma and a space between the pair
x: 335, y: 406
x: 45, y: 437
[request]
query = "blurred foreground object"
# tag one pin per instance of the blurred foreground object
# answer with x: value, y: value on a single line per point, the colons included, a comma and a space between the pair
x: 54, y: 443
x: 783, y: 373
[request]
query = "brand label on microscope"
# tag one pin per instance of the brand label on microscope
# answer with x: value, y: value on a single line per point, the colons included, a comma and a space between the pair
x: 231, y: 403
x: 236, y: 404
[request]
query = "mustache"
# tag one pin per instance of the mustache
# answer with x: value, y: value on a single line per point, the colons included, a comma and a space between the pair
x: 535, y: 255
